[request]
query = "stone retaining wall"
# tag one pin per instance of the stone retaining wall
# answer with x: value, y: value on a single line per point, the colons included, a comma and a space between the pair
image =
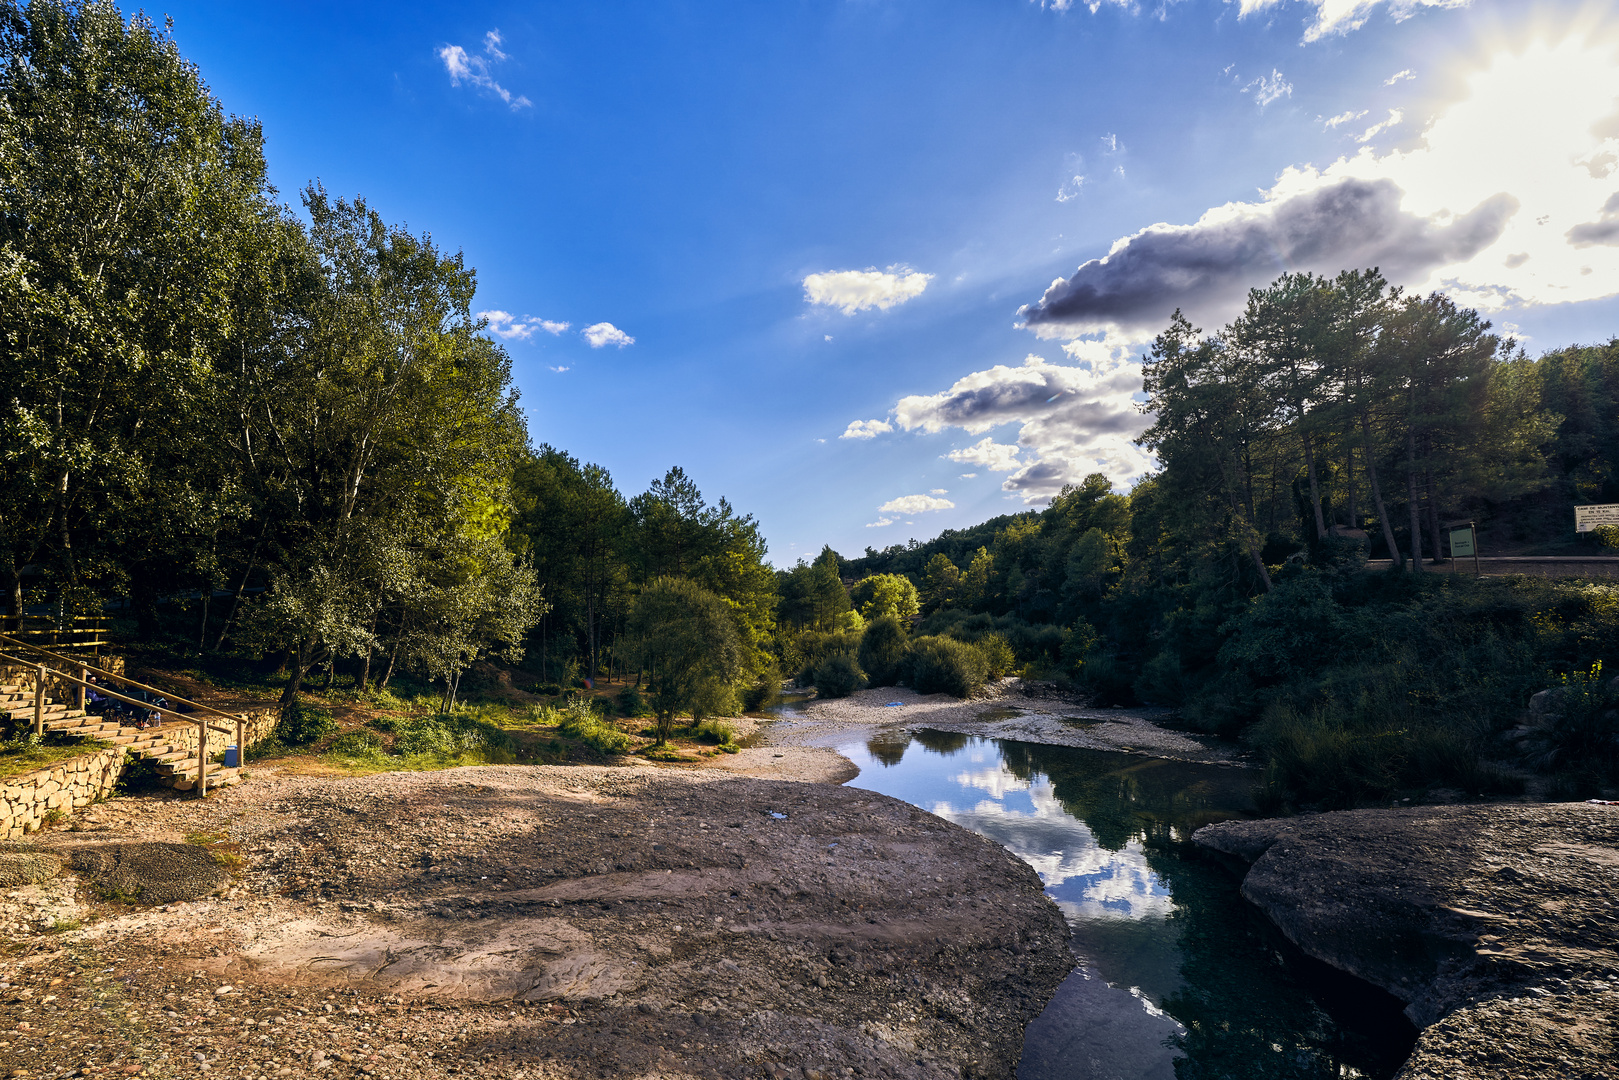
x: 66, y: 786
x: 260, y: 722
x: 77, y: 782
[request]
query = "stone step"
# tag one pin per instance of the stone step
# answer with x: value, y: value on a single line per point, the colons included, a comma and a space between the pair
x: 217, y: 778
x: 84, y: 731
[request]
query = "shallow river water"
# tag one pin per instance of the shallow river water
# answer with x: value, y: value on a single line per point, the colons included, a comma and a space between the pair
x: 1179, y: 977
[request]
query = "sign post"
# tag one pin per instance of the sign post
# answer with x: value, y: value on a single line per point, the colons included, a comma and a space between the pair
x: 1464, y: 542
x: 1587, y: 518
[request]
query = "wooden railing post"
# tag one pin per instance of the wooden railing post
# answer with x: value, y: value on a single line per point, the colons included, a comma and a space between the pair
x: 78, y: 691
x: 241, y: 740
x: 202, y: 759
x: 39, y: 700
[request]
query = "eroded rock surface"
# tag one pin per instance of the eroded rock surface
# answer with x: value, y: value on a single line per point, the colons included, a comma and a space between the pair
x: 1498, y: 925
x: 566, y: 922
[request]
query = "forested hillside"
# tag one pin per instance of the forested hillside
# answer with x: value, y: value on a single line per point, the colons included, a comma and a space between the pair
x: 1334, y: 420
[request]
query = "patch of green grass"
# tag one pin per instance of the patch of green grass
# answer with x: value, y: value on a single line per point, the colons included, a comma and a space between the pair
x: 27, y: 753
x: 577, y: 720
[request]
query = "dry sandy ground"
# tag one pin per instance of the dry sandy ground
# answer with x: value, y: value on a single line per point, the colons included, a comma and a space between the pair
x: 1009, y: 711
x: 540, y: 922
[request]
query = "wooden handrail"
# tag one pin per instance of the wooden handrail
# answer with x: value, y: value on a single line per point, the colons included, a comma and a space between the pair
x: 203, y: 726
x: 182, y: 717
x: 124, y: 679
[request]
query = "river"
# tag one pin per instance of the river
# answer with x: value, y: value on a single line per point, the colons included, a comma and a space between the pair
x: 1178, y: 977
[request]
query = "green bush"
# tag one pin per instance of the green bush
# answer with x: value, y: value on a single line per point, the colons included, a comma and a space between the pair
x: 882, y: 650
x: 715, y: 733
x: 838, y: 676
x: 631, y: 703
x: 999, y: 659
x: 578, y: 720
x: 813, y: 647
x: 943, y: 665
x: 1580, y: 729
x: 452, y: 735
x: 302, y: 725
x: 764, y: 692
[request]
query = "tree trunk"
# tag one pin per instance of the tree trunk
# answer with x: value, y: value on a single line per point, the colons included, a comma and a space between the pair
x: 236, y: 600
x: 393, y: 654
x: 1433, y: 517
x: 1349, y: 476
x: 1315, y: 489
x: 1413, y: 506
x: 302, y: 659
x: 202, y: 630
x: 370, y: 647
x: 1377, y: 491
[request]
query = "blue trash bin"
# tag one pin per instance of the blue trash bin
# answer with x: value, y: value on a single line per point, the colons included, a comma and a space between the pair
x: 232, y: 757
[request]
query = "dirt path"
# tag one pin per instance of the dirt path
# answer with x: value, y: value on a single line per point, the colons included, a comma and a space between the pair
x: 538, y: 922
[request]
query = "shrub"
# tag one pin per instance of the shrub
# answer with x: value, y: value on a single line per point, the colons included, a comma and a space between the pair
x: 579, y: 721
x: 765, y: 691
x: 943, y: 665
x: 1607, y: 535
x: 999, y: 659
x: 302, y: 725
x: 631, y: 703
x: 1580, y: 730
x: 882, y: 650
x: 838, y: 676
x: 715, y: 733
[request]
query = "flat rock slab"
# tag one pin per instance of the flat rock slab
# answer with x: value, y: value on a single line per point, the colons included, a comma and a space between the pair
x: 571, y: 922
x: 1498, y: 925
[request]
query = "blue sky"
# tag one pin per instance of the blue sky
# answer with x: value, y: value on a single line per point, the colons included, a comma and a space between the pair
x: 807, y: 249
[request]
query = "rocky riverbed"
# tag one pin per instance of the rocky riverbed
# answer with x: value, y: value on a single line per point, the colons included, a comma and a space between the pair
x: 536, y: 922
x: 1496, y: 924
x: 1010, y: 709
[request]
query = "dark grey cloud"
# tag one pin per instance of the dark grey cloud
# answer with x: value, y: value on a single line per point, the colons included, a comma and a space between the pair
x: 1206, y: 269
x: 1605, y: 230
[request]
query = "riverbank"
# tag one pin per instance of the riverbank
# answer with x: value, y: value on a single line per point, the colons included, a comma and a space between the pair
x: 1495, y: 924
x: 540, y: 922
x: 1010, y: 710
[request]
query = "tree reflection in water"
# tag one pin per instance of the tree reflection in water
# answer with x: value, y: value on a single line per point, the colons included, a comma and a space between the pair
x: 1180, y: 977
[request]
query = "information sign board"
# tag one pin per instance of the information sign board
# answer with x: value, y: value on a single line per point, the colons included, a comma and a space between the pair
x: 1461, y: 543
x: 1587, y: 518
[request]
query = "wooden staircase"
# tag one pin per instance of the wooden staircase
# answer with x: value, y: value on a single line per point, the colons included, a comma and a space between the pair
x: 175, y: 765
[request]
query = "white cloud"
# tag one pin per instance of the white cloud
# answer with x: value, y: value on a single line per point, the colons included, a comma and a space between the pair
x: 1342, y: 16
x: 559, y: 370
x: 1268, y: 88
x: 465, y: 67
x: 856, y: 290
x: 938, y: 491
x: 988, y: 454
x: 915, y: 504
x: 968, y: 476
x: 1345, y: 117
x: 1070, y: 188
x: 866, y: 429
x: 879, y: 523
x: 1520, y: 165
x: 1395, y: 116
x: 1073, y: 420
x: 1399, y: 76
x: 522, y: 328
x: 605, y: 333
